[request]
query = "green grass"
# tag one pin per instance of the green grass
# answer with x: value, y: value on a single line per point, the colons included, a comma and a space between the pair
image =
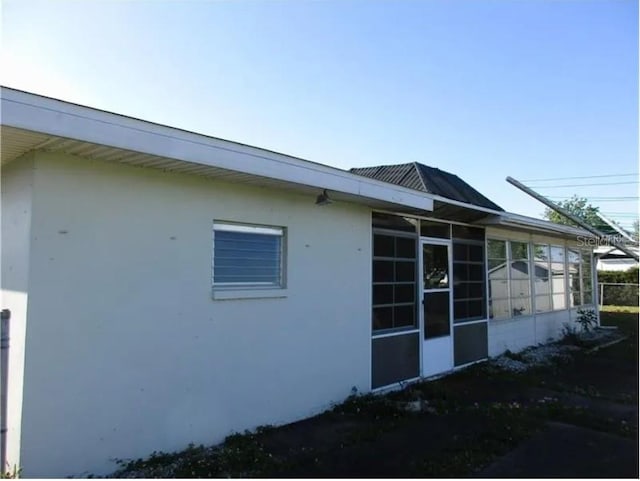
x: 626, y: 321
x: 627, y: 309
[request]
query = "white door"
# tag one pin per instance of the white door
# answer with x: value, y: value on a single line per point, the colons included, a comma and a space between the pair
x: 437, y: 307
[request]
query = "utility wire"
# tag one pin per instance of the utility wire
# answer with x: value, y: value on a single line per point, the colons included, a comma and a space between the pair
x: 579, y: 185
x: 584, y: 177
x: 595, y: 197
x: 617, y: 212
x: 598, y: 201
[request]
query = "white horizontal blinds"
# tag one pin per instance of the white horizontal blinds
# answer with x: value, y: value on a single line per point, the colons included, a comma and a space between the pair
x: 248, y: 229
x: 247, y: 255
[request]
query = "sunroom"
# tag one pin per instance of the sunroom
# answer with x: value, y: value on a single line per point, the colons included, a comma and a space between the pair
x: 468, y: 283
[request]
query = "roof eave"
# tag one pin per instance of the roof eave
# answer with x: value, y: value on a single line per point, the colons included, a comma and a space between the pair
x: 35, y: 113
x: 510, y: 219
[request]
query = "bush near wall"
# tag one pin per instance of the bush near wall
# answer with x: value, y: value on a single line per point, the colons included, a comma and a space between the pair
x: 620, y: 295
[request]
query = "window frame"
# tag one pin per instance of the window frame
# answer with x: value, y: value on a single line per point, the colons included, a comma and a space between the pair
x: 483, y: 299
x: 246, y: 228
x: 589, y: 275
x: 565, y: 278
x: 534, y: 278
x: 401, y: 329
x: 527, y: 280
x: 508, y: 260
x: 491, y: 298
x: 570, y: 290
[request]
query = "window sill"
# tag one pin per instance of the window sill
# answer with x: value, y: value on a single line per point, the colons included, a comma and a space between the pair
x: 231, y: 294
x: 394, y: 332
x: 505, y: 320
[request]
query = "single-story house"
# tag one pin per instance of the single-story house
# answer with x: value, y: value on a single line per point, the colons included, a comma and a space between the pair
x: 611, y: 259
x: 167, y: 287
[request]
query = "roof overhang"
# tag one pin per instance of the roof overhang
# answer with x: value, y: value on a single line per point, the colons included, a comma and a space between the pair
x: 608, y: 251
x: 512, y: 221
x: 456, y: 210
x: 32, y: 122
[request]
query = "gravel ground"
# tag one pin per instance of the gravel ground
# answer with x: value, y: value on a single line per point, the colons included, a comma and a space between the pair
x: 546, y: 354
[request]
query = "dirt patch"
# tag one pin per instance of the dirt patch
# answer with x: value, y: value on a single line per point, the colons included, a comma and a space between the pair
x: 474, y: 417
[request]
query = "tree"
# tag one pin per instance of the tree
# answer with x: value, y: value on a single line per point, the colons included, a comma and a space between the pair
x: 579, y: 207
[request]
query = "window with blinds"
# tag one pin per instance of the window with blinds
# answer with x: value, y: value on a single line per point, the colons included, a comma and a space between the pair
x: 247, y: 256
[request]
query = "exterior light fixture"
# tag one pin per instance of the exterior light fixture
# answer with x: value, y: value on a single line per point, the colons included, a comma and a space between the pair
x: 323, y: 199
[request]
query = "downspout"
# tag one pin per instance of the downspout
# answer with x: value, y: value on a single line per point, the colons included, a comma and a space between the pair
x: 5, y: 315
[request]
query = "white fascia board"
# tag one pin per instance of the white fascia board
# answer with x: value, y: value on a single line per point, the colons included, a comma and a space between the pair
x: 466, y: 205
x: 507, y: 218
x: 608, y: 249
x: 54, y: 117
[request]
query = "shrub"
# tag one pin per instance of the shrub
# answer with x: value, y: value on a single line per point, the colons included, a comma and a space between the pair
x: 620, y: 295
x: 587, y: 319
x: 629, y: 276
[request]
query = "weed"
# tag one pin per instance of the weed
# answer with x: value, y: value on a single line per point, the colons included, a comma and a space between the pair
x: 516, y: 356
x: 369, y: 405
x: 240, y: 455
x: 11, y: 473
x: 587, y: 319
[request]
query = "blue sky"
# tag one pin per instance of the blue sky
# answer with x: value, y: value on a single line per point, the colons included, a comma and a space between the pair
x: 481, y: 88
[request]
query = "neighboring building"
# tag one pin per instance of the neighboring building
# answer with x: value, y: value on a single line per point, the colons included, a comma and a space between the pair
x: 612, y: 259
x: 168, y: 287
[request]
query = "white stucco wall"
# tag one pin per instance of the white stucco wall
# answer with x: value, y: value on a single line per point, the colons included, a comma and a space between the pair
x: 128, y: 353
x: 519, y: 333
x: 17, y: 191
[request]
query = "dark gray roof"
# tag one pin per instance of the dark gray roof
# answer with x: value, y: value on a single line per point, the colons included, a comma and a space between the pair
x: 428, y: 179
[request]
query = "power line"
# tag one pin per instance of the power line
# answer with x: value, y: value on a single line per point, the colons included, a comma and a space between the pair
x: 583, y: 177
x: 595, y: 197
x: 579, y: 185
x: 632, y: 215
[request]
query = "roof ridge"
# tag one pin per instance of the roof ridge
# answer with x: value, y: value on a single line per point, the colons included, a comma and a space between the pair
x: 419, y: 171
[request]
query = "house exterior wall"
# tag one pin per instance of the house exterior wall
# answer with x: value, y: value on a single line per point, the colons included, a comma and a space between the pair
x: 17, y: 196
x: 612, y: 264
x: 127, y: 350
x: 517, y: 333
